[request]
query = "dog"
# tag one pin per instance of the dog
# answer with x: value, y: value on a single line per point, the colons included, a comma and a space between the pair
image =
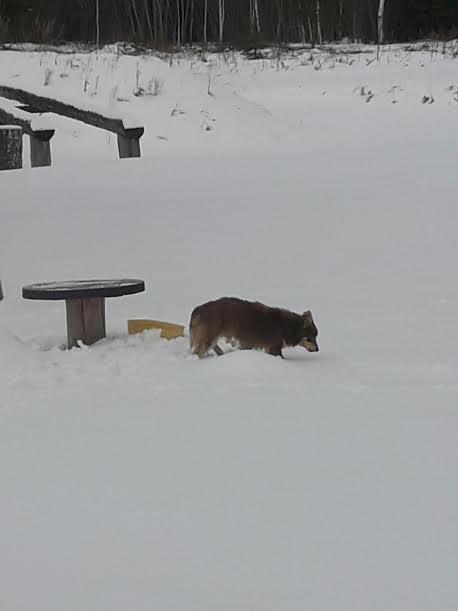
x: 250, y: 325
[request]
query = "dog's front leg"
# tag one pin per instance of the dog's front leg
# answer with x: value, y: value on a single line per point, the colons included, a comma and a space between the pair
x: 275, y: 351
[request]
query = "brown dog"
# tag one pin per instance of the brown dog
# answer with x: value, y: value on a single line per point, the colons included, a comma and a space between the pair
x: 251, y: 325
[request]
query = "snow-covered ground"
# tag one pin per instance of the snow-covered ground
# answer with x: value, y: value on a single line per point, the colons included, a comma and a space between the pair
x: 135, y: 476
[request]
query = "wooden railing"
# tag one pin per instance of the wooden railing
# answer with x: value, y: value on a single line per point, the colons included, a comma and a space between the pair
x: 31, y: 103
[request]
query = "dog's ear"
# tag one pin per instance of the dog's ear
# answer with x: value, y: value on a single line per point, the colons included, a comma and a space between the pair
x: 307, y: 316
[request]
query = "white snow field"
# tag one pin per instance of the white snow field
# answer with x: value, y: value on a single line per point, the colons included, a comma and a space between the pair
x: 137, y: 477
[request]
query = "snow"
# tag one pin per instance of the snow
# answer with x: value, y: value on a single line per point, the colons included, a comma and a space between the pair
x: 135, y: 475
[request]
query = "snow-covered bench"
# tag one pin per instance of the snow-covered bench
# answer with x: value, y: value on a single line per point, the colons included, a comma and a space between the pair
x: 127, y: 129
x: 37, y: 128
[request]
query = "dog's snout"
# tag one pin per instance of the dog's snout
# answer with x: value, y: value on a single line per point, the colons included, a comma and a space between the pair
x: 310, y: 345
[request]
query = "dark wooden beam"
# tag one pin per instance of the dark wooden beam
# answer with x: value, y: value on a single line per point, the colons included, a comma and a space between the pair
x: 43, y: 104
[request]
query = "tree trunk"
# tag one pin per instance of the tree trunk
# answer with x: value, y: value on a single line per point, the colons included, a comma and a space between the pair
x: 97, y: 22
x: 160, y: 21
x: 340, y: 27
x: 381, y: 11
x: 137, y: 19
x: 318, y: 22
x: 191, y: 23
x: 304, y: 40
x: 221, y: 16
x: 205, y: 24
x: 255, y: 26
x: 279, y: 21
x: 148, y: 20
x: 256, y: 14
x: 184, y: 17
x: 132, y: 23
x: 178, y: 25
x: 312, y: 38
x: 354, y: 22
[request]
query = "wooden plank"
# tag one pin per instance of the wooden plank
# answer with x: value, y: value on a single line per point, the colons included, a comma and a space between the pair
x: 75, y: 322
x: 85, y: 321
x: 128, y: 147
x: 72, y: 112
x: 94, y: 320
x: 10, y: 147
x: 169, y: 330
x: 40, y: 150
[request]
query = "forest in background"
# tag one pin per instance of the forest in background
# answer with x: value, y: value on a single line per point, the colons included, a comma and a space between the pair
x: 241, y: 23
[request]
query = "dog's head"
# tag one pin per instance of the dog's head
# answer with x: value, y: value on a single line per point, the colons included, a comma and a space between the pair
x: 310, y: 333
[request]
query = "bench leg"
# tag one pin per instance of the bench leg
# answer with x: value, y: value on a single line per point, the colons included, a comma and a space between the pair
x: 40, y: 152
x: 85, y: 321
x: 128, y: 147
x: 10, y: 148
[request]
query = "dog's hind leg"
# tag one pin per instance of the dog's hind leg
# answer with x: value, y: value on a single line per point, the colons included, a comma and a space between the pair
x: 198, y: 339
x: 203, y: 337
x: 202, y: 348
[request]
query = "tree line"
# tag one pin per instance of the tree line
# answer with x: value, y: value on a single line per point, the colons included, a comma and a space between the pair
x: 243, y: 23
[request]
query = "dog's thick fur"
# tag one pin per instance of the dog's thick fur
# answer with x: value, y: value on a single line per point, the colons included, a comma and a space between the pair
x: 251, y: 325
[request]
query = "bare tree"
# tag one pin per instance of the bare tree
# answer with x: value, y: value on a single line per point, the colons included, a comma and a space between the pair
x: 312, y: 39
x: 256, y: 14
x: 340, y: 22
x: 148, y: 20
x: 205, y: 24
x: 178, y: 24
x: 97, y: 22
x: 255, y: 26
x: 381, y: 11
x: 221, y: 17
x: 318, y: 22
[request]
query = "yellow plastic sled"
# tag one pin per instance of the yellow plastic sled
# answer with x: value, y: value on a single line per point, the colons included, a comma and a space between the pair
x: 169, y: 330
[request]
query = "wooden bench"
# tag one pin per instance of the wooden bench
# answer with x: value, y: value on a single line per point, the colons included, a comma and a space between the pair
x: 128, y: 137
x: 85, y: 304
x: 39, y: 132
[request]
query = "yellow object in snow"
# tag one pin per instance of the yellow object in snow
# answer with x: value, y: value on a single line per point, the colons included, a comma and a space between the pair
x: 169, y: 330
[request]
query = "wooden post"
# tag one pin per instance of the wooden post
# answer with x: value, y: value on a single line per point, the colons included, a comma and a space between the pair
x: 85, y: 321
x: 10, y: 147
x: 128, y: 147
x: 40, y: 148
